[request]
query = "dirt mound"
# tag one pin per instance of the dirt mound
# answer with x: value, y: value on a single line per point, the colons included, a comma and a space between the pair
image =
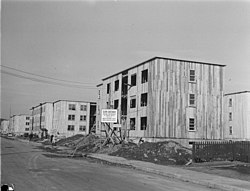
x: 88, y: 143
x: 167, y: 153
x: 95, y: 144
x: 70, y: 141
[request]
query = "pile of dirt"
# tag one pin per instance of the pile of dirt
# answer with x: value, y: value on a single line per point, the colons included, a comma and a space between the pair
x: 70, y: 141
x: 89, y: 143
x: 165, y: 153
x: 95, y: 144
x: 45, y: 142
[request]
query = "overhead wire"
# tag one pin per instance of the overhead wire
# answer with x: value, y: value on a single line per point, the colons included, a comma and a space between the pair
x: 47, y: 82
x: 68, y: 81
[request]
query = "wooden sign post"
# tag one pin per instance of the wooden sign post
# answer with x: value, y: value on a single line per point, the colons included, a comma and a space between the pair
x: 110, y: 116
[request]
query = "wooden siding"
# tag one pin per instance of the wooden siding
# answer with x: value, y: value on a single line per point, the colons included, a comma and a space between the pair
x: 168, y: 109
x: 18, y: 124
x: 46, y: 122
x: 240, y: 110
x: 61, y: 122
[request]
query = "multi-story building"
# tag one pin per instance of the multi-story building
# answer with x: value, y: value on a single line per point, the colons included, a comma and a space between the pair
x: 41, y: 119
x: 164, y: 98
x: 73, y: 117
x: 5, y: 126
x: 19, y: 124
x: 237, y: 116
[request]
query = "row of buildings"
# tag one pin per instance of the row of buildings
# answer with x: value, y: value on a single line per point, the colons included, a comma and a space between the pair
x: 62, y: 117
x: 158, y: 99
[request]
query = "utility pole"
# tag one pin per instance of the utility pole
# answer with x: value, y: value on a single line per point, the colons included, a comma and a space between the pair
x: 9, y: 119
x: 41, y: 110
x: 32, y: 119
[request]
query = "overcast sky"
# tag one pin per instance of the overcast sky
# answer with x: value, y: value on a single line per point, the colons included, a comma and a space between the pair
x: 85, y: 41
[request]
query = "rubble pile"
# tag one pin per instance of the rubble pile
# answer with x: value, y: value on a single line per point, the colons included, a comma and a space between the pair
x: 70, y: 141
x: 95, y: 144
x: 166, y: 153
x: 89, y: 143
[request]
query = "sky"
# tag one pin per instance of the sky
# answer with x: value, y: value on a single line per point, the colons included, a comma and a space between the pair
x: 60, y: 50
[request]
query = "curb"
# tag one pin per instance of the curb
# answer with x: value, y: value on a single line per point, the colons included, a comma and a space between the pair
x: 199, y: 182
x: 208, y: 184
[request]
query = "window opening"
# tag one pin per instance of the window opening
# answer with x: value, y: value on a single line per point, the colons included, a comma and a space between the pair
x: 144, y: 76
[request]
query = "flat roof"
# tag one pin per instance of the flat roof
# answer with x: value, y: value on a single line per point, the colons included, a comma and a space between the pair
x: 76, y: 101
x: 19, y: 115
x: 98, y: 85
x: 91, y: 102
x: 157, y: 57
x: 236, y: 93
x: 40, y: 105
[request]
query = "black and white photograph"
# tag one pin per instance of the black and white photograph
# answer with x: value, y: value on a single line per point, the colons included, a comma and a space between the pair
x: 120, y: 95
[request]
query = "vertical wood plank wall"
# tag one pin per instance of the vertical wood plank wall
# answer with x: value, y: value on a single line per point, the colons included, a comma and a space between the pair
x: 168, y: 109
x: 60, y: 118
x: 240, y: 110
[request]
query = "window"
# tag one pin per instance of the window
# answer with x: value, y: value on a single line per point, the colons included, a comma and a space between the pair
x: 116, y: 103
x: 132, y: 123
x: 27, y: 118
x: 192, y: 75
x: 230, y: 116
x: 191, y: 124
x: 144, y: 99
x: 132, y: 102
x: 72, y: 107
x: 133, y: 80
x: 116, y: 85
x: 191, y: 99
x: 71, y: 117
x: 230, y: 102
x: 143, y: 123
x: 83, y: 108
x: 108, y: 88
x: 190, y: 143
x: 82, y: 128
x: 144, y: 76
x: 99, y: 94
x: 27, y: 123
x: 82, y: 117
x: 230, y: 130
x: 71, y: 127
x: 27, y: 129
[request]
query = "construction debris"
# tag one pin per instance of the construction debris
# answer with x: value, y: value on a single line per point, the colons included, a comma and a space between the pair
x: 165, y: 153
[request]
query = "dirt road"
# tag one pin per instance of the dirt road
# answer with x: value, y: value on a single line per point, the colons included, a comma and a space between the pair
x: 25, y: 165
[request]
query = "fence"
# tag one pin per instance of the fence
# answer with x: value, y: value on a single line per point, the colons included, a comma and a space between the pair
x: 220, y: 151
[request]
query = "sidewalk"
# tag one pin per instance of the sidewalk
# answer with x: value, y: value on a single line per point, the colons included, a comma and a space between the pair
x: 212, y: 181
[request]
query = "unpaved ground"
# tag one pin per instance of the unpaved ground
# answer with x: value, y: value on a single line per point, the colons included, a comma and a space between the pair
x: 163, y: 153
x: 27, y: 168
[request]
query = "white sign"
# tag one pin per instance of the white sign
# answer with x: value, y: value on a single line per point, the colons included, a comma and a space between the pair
x: 109, y: 116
